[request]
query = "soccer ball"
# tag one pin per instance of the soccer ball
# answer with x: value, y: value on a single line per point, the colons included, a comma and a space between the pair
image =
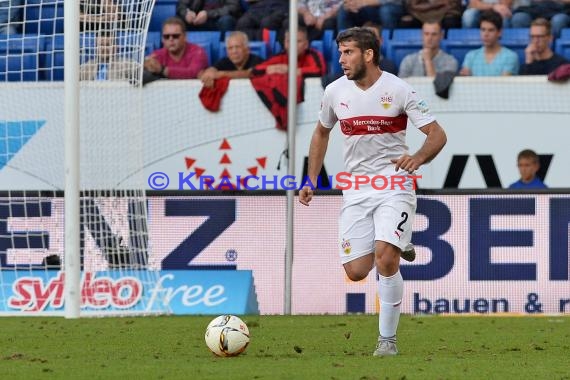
x: 227, y: 335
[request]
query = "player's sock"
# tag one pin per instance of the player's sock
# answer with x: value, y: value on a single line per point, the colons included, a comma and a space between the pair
x: 391, y: 290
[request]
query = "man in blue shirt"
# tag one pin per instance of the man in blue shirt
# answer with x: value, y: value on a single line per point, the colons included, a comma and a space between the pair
x: 491, y: 59
x: 528, y: 164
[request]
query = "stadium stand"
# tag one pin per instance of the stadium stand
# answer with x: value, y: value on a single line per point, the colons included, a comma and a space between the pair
x: 562, y: 44
x: 414, y: 35
x: 209, y: 40
x: 162, y: 10
x: 19, y: 58
x: 45, y: 16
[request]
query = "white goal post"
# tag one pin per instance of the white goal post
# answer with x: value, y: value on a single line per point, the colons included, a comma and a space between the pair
x: 75, y: 241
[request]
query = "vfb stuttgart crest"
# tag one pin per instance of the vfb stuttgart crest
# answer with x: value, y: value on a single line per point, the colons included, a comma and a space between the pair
x: 386, y: 100
x: 346, y: 248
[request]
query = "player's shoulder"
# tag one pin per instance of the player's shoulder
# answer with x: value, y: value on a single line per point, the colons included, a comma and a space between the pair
x: 396, y: 83
x: 336, y: 86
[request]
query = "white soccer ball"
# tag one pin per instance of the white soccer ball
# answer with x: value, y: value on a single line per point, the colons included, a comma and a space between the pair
x: 227, y: 335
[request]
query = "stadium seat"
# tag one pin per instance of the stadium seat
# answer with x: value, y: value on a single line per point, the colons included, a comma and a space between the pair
x: 459, y: 49
x: 562, y: 47
x: 161, y: 11
x: 213, y: 39
x: 318, y: 45
x: 397, y: 50
x: 401, y: 35
x: 516, y: 34
x: 455, y: 34
x: 565, y: 34
x: 208, y: 48
x: 333, y: 65
x: 51, y: 59
x: 45, y: 17
x: 153, y: 42
x: 329, y: 41
x: 19, y: 57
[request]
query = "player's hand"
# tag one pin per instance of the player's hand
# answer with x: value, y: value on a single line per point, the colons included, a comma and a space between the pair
x: 306, y: 195
x: 407, y: 163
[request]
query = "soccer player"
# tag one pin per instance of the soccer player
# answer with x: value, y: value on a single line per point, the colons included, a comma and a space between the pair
x: 372, y: 107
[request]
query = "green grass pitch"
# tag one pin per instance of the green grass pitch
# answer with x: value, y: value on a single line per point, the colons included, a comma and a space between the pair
x: 286, y: 347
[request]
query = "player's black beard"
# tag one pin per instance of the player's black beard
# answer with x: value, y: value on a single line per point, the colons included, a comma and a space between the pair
x: 359, y: 72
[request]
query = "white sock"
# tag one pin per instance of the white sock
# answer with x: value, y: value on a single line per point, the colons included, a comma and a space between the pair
x: 390, y: 290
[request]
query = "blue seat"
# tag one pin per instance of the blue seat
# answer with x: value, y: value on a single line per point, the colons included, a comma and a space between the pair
x: 19, y: 58
x: 52, y: 59
x: 562, y: 47
x: 208, y: 48
x: 212, y: 38
x: 565, y: 34
x: 397, y: 50
x: 333, y: 65
x: 516, y: 34
x: 472, y: 34
x: 401, y: 35
x: 161, y: 11
x: 45, y: 17
x: 318, y: 45
x: 459, y: 49
x: 329, y: 41
x: 152, y: 42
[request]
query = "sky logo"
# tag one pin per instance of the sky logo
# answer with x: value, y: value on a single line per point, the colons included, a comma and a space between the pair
x: 14, y: 135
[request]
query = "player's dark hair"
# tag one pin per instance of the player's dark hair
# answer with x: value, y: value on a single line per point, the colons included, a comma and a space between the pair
x: 492, y: 17
x: 364, y: 38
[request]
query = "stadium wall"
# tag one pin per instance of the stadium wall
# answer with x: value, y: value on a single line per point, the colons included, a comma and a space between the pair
x: 478, y: 254
x: 488, y: 121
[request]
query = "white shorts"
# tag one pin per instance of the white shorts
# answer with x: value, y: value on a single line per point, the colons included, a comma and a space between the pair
x: 387, y: 217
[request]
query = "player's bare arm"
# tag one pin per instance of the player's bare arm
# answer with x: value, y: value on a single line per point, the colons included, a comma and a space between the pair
x: 433, y: 144
x: 317, y: 150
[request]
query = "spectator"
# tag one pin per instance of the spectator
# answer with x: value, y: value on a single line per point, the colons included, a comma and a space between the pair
x: 318, y: 15
x: 107, y: 64
x: 178, y: 59
x: 238, y: 63
x: 491, y: 59
x: 554, y: 10
x: 385, y: 63
x: 264, y: 14
x: 209, y: 14
x: 10, y: 16
x: 97, y: 15
x: 431, y: 59
x: 471, y: 15
x: 528, y: 164
x: 446, y: 12
x: 310, y: 62
x: 357, y: 12
x: 539, y: 57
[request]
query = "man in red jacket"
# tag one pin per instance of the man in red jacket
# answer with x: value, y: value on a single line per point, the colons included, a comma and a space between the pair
x: 310, y: 62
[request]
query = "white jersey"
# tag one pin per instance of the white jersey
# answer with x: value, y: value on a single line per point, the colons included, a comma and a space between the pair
x: 373, y: 122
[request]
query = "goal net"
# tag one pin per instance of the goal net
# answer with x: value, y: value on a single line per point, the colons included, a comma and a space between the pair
x: 118, y: 274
